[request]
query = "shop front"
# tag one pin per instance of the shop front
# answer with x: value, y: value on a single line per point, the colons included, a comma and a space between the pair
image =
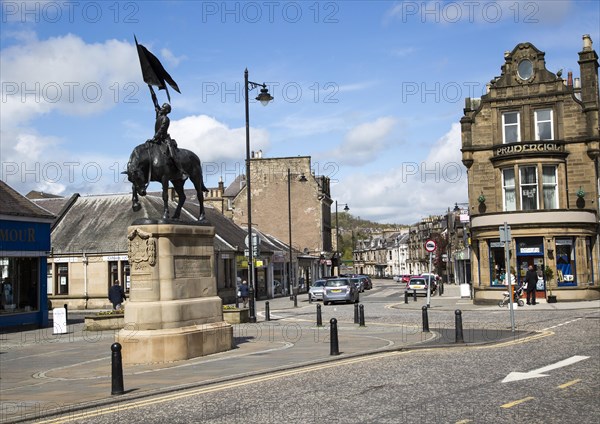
x: 564, y: 264
x: 24, y: 246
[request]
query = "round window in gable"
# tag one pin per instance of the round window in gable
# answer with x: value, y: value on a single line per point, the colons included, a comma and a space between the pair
x: 525, y: 69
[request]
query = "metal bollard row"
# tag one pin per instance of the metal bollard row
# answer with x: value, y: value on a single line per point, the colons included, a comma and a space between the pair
x: 267, y: 311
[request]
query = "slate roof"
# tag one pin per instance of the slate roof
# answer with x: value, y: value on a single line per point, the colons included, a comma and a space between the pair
x: 14, y: 204
x: 98, y: 224
x: 54, y: 205
x: 235, y: 187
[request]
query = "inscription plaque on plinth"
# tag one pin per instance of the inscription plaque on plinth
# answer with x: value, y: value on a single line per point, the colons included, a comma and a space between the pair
x: 173, y: 312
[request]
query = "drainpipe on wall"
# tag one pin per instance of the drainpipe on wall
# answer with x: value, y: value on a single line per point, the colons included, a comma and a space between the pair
x: 85, y: 281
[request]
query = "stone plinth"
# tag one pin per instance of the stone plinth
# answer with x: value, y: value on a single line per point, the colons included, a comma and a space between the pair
x: 173, y: 312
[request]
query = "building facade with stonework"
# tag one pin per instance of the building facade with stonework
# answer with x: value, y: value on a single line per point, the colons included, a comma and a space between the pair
x: 531, y: 146
x: 310, y: 220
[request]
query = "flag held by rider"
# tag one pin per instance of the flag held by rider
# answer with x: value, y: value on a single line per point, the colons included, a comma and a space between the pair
x: 153, y: 71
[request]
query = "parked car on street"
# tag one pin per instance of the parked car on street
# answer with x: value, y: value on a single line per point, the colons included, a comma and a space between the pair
x: 358, y: 283
x: 340, y: 290
x: 432, y: 280
x: 418, y: 284
x: 367, y: 283
x: 315, y: 292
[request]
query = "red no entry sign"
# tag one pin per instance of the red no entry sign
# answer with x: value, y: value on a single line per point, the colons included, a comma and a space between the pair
x: 430, y: 246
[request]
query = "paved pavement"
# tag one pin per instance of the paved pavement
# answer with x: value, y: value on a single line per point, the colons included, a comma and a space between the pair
x: 45, y: 375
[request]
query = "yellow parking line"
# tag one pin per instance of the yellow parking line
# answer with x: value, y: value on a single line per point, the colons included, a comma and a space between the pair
x: 517, y: 402
x: 568, y: 383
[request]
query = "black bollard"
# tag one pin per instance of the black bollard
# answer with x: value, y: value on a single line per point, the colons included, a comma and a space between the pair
x: 66, y: 314
x: 415, y: 295
x: 334, y: 348
x: 319, y: 317
x: 117, y: 370
x: 425, y: 319
x: 356, y: 313
x: 295, y: 300
x: 405, y: 296
x: 361, y: 321
x: 252, y: 309
x: 459, y: 328
x: 267, y: 311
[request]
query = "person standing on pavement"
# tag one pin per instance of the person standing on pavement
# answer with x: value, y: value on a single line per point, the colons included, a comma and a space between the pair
x: 531, y: 280
x: 244, y: 292
x: 116, y: 295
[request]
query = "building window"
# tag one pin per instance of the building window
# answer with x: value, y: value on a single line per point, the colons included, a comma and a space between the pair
x: 113, y: 273
x: 19, y: 289
x: 528, y: 185
x: 497, y: 263
x: 126, y: 273
x: 508, y: 185
x: 544, y: 130
x: 63, y: 279
x: 565, y: 262
x: 549, y: 187
x: 511, y: 127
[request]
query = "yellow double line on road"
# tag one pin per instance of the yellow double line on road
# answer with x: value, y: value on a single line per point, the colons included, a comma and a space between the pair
x: 153, y: 400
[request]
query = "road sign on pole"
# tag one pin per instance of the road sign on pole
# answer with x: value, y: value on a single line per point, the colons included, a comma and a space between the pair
x: 430, y: 246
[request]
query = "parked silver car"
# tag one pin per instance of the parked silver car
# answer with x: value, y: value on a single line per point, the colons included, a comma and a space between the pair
x: 340, y: 290
x: 417, y: 284
x: 316, y: 290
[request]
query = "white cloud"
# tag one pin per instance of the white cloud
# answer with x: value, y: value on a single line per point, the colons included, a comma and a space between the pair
x: 170, y: 58
x: 213, y: 140
x: 412, y: 190
x: 63, y: 74
x: 363, y: 143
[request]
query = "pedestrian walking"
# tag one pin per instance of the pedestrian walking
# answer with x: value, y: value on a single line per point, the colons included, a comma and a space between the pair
x: 116, y: 295
x: 531, y: 280
x: 244, y: 292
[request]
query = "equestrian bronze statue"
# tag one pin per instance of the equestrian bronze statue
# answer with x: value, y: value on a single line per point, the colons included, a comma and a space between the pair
x: 159, y: 159
x: 148, y: 162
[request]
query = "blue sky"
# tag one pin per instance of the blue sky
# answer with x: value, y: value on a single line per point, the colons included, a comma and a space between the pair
x: 373, y: 91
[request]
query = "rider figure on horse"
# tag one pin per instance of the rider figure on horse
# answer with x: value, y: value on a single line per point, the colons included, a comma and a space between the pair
x: 161, y: 135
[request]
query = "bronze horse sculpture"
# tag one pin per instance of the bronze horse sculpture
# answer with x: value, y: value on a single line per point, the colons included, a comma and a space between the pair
x: 150, y: 162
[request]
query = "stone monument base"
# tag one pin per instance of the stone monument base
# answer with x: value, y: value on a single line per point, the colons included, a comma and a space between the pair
x: 174, y: 312
x: 174, y: 344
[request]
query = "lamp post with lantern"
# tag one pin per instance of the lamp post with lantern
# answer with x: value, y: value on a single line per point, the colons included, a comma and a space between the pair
x: 264, y: 98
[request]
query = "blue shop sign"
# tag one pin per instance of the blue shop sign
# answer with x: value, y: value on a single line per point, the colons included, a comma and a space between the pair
x: 24, y: 236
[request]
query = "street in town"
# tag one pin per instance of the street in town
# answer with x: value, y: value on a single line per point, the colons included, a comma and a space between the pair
x: 388, y: 371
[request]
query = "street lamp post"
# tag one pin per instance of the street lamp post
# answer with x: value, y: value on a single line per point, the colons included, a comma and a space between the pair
x: 264, y: 97
x: 337, y: 234
x: 290, y: 273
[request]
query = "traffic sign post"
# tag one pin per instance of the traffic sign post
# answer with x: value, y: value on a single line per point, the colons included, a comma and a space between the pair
x: 505, y: 238
x: 430, y: 246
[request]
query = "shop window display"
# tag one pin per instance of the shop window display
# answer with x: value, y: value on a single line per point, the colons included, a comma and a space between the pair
x: 565, y: 262
x: 19, y: 285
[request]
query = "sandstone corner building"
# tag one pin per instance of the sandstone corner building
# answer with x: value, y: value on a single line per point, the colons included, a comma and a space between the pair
x: 24, y: 246
x: 531, y: 146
